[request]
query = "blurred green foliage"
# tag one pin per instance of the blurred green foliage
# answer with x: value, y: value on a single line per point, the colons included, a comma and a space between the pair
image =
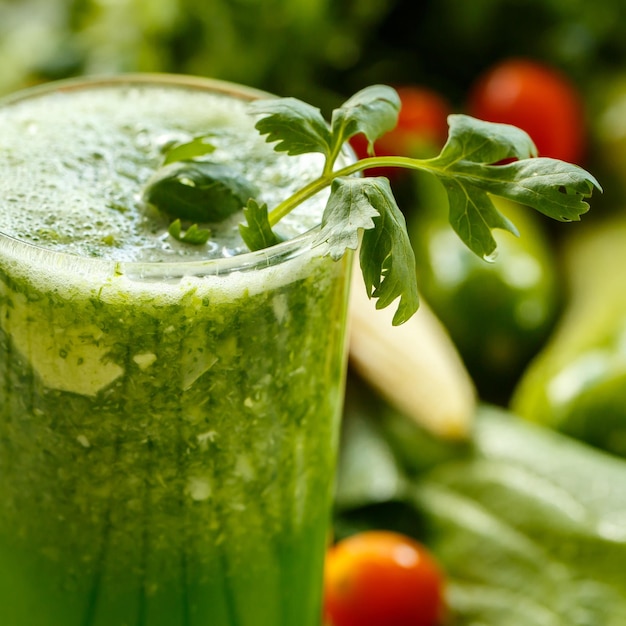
x: 278, y: 45
x: 321, y: 50
x: 449, y: 42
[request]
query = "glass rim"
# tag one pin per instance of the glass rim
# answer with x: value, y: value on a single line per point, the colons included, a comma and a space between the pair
x: 258, y: 259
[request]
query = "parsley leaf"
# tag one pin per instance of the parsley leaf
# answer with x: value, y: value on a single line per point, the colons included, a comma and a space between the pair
x: 479, y: 160
x: 257, y: 233
x: 295, y: 126
x: 348, y: 211
x: 198, y: 146
x: 473, y: 216
x: 386, y: 255
x: 200, y: 191
x: 372, y: 111
x: 477, y: 141
x: 193, y: 235
x: 299, y: 128
x: 552, y: 187
x: 468, y: 166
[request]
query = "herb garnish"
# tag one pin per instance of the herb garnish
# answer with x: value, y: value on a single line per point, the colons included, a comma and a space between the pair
x: 479, y: 158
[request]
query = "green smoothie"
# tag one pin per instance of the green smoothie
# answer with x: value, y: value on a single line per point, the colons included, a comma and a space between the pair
x: 168, y: 412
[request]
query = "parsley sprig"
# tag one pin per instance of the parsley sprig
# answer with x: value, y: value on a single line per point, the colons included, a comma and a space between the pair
x: 479, y: 160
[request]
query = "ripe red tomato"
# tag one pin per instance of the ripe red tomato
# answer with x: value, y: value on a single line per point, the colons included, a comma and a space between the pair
x: 536, y: 98
x: 422, y: 128
x: 381, y: 578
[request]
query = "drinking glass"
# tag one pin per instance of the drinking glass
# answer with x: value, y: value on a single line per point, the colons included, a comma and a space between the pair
x: 168, y: 430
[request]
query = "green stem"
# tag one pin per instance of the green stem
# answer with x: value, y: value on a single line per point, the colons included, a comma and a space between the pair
x: 325, y: 180
x: 286, y: 206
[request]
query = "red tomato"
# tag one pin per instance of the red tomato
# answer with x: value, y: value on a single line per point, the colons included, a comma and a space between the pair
x: 422, y: 127
x: 537, y: 99
x: 381, y: 578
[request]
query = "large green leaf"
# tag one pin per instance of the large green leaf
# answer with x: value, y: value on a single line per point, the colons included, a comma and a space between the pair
x: 532, y: 528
